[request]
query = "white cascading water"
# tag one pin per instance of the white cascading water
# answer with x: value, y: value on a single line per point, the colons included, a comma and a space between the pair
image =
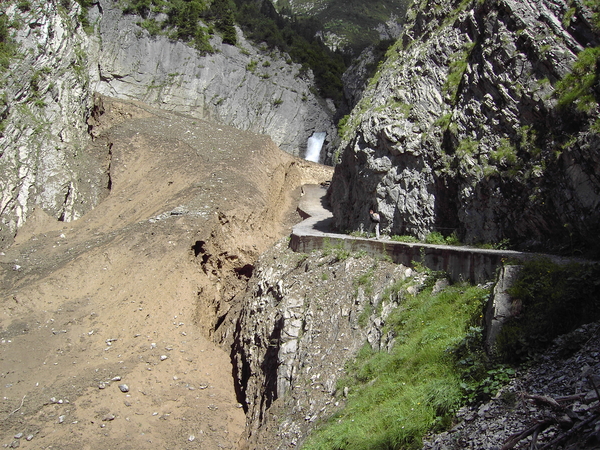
x: 314, y: 146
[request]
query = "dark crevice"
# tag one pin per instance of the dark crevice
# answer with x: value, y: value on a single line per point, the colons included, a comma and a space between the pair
x: 198, y: 248
x: 62, y: 216
x: 269, y: 367
x: 110, y: 155
x: 245, y: 271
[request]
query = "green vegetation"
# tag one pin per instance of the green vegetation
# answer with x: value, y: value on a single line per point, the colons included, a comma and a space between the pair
x: 595, y: 7
x: 366, y: 281
x: 251, y: 66
x: 353, y: 22
x: 338, y: 251
x: 344, y: 128
x: 405, y: 238
x: 577, y: 88
x: 435, y: 237
x: 262, y: 23
x: 34, y: 83
x: 7, y: 45
x: 4, y: 112
x: 458, y: 65
x: 467, y: 147
x: 504, y: 244
x: 555, y: 299
x: 505, y: 154
x: 395, y: 397
x: 185, y: 20
x: 193, y: 21
x: 83, y: 16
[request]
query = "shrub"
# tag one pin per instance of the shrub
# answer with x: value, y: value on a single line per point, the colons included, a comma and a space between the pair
x: 555, y: 300
x: 577, y: 88
x: 405, y: 238
x: 7, y: 45
x: 435, y: 237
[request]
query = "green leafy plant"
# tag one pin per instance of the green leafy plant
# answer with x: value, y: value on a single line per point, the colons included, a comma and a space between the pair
x: 481, y: 376
x: 576, y: 88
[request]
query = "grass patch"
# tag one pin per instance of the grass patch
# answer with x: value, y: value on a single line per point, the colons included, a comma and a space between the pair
x: 458, y: 66
x: 337, y: 250
x: 395, y: 398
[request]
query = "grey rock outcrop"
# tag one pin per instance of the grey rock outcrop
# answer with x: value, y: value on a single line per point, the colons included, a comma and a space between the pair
x: 501, y: 306
x: 46, y: 101
x: 303, y: 317
x: 242, y: 86
x: 461, y: 131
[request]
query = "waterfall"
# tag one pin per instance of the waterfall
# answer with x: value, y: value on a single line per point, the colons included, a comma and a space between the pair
x: 314, y: 146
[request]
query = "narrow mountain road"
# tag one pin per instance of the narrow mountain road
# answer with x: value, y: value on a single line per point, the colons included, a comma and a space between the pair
x: 460, y: 262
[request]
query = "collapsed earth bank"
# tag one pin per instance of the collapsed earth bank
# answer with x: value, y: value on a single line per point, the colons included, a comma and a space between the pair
x: 47, y: 102
x: 131, y: 291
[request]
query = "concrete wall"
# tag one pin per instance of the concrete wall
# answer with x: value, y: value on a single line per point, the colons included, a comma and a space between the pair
x: 461, y: 263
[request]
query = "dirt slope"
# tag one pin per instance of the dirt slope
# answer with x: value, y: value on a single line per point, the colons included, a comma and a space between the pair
x: 135, y: 288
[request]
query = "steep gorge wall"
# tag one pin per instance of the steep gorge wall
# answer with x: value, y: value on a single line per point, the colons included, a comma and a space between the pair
x: 46, y: 97
x: 247, y: 87
x: 48, y: 92
x: 302, y: 319
x: 460, y: 130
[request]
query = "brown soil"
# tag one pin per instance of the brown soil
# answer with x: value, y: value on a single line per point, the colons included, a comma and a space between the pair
x: 136, y: 288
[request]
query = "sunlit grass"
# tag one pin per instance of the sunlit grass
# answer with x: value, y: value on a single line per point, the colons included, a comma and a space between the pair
x: 395, y: 398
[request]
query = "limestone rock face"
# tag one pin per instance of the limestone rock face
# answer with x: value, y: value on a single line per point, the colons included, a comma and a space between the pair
x: 461, y: 129
x: 241, y: 86
x: 304, y: 317
x: 501, y: 306
x: 46, y: 101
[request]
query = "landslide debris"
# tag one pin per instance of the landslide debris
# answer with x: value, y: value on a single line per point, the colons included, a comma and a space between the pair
x: 130, y: 293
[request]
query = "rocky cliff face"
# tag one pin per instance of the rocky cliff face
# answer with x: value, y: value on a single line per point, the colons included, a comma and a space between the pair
x: 462, y: 129
x: 243, y: 86
x: 46, y: 99
x: 303, y: 317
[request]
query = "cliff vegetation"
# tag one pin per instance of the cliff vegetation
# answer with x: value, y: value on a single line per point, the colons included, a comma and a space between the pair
x: 483, y: 121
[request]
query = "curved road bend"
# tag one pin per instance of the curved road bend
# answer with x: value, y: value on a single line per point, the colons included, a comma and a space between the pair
x: 461, y: 263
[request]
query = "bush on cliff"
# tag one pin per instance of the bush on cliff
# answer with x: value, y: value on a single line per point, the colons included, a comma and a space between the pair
x: 7, y: 46
x: 555, y: 299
